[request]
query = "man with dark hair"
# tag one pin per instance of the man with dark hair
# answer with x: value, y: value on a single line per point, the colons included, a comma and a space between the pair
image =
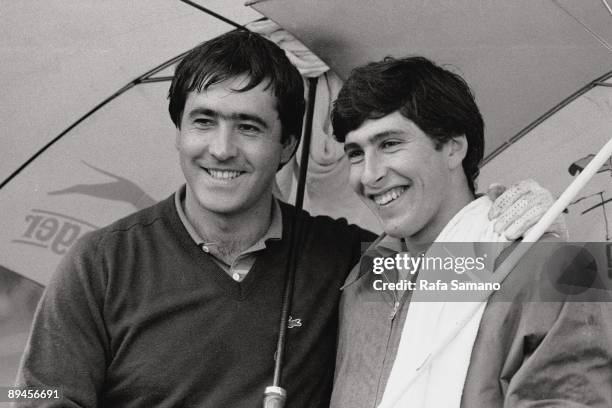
x: 414, y: 138
x: 179, y: 304
x: 209, y: 64
x: 439, y: 102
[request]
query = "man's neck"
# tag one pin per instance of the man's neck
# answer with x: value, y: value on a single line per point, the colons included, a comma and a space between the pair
x: 420, y: 242
x: 231, y: 234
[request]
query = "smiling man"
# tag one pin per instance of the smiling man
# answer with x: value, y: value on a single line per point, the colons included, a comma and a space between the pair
x: 412, y: 182
x: 414, y: 138
x: 178, y: 305
x: 230, y: 145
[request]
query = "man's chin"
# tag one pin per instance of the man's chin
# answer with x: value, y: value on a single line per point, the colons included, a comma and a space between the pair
x: 389, y: 227
x: 397, y: 233
x: 397, y: 229
x: 221, y: 206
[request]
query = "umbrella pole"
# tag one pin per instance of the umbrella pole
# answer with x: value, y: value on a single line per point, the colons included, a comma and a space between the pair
x: 274, y: 395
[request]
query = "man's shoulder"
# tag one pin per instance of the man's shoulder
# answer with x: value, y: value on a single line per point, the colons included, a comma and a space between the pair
x: 132, y: 224
x: 143, y: 217
x: 339, y: 227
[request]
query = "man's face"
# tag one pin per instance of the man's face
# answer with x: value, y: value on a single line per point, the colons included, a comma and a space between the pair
x: 229, y: 147
x: 402, y: 178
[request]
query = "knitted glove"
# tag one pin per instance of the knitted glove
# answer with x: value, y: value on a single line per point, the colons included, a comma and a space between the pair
x: 520, y: 207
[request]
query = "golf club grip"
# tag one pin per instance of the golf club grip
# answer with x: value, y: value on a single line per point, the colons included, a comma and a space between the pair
x: 274, y: 401
x: 274, y: 397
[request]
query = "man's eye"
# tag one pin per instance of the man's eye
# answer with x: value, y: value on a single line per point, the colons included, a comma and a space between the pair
x: 388, y: 144
x: 354, y: 156
x: 245, y: 127
x: 203, y: 122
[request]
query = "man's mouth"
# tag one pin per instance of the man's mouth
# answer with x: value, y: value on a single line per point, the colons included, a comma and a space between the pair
x: 223, y: 174
x: 389, y: 195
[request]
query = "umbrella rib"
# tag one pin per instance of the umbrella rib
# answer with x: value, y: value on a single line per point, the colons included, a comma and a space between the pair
x: 597, y: 82
x: 61, y: 135
x: 156, y: 79
x: 601, y: 40
x: 146, y: 75
x: 605, y: 2
x: 141, y: 79
x: 212, y: 13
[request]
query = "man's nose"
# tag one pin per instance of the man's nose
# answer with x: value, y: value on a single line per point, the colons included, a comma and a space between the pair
x: 373, y: 171
x: 223, y: 146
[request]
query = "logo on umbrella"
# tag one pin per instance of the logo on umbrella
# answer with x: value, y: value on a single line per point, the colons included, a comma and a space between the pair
x: 121, y: 189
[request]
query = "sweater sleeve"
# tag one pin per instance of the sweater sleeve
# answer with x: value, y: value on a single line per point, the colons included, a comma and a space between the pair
x: 68, y: 346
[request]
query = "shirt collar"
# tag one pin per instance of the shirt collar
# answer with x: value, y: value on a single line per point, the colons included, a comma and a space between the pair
x: 274, y: 232
x: 386, y: 245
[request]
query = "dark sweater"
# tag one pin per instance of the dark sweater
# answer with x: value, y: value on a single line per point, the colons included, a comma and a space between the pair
x: 138, y: 316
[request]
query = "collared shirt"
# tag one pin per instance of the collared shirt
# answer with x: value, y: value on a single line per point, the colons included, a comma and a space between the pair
x: 245, y: 260
x: 364, y: 311
x: 387, y: 246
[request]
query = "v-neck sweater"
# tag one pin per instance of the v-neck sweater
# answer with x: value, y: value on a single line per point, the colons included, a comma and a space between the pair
x: 138, y: 315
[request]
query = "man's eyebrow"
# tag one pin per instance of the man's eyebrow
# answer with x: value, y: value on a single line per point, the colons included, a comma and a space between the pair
x: 350, y: 146
x: 250, y: 117
x: 374, y: 138
x: 232, y: 116
x: 386, y: 133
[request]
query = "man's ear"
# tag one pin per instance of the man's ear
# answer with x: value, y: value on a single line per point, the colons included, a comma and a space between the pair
x: 456, y: 150
x: 177, y: 138
x: 289, y: 146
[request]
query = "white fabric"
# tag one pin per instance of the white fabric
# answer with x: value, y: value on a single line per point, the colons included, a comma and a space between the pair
x: 309, y: 65
x: 440, y: 383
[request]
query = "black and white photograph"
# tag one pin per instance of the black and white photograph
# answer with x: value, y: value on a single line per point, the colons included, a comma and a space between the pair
x: 306, y: 203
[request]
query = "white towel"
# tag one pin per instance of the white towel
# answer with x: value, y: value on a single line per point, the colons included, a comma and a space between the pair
x: 440, y: 383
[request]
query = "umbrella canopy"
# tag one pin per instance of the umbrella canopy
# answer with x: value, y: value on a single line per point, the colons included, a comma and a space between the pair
x: 520, y: 57
x: 540, y: 72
